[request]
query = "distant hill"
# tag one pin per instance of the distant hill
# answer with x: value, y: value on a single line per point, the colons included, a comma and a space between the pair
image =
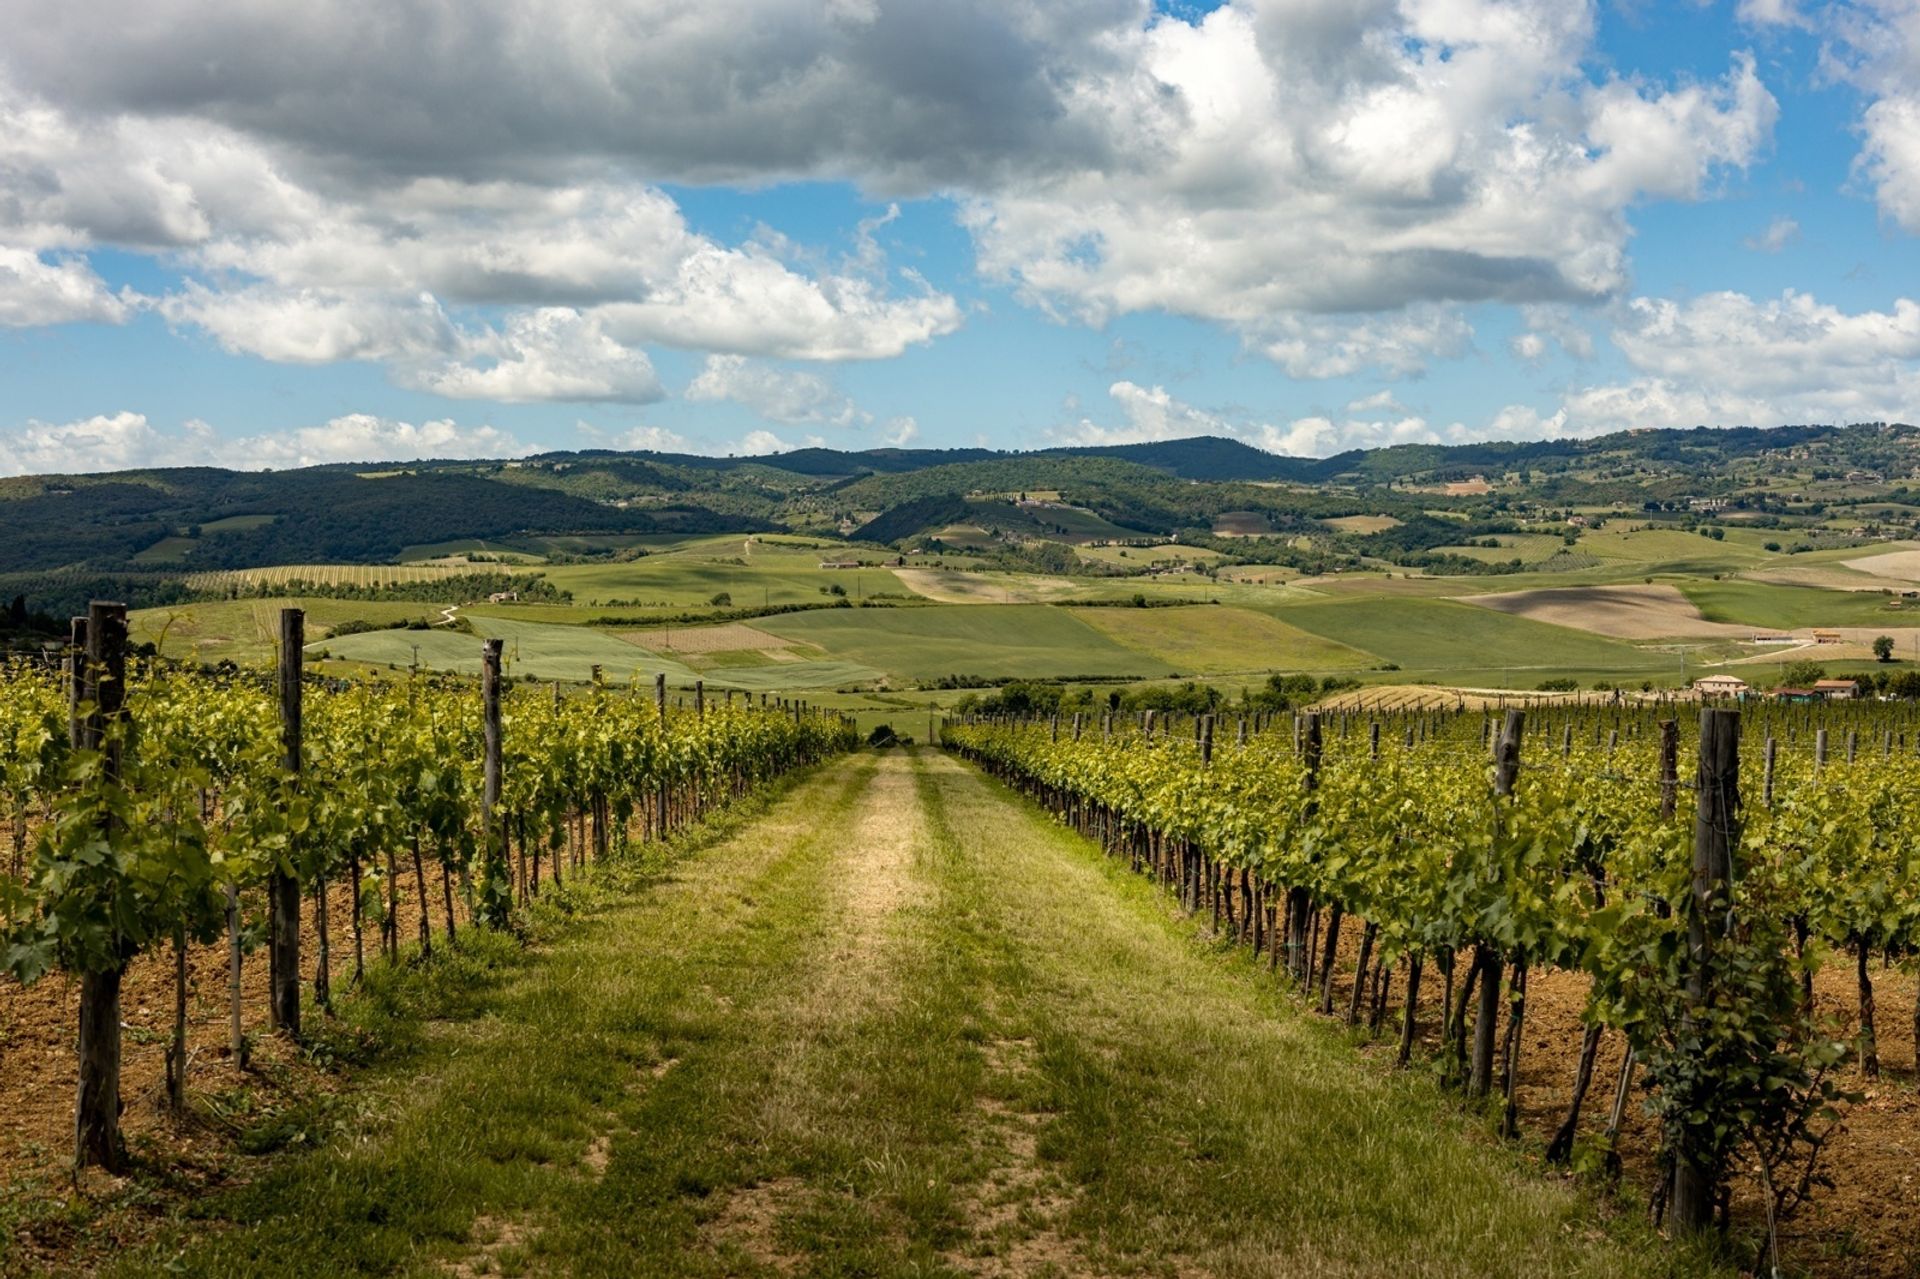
x: 157, y: 525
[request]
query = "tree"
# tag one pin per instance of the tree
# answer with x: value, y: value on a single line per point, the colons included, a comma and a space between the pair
x: 1883, y: 648
x: 1802, y: 674
x: 721, y: 599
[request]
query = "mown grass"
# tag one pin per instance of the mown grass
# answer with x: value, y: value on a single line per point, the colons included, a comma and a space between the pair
x: 1436, y: 635
x: 1209, y: 639
x: 1788, y: 607
x: 899, y: 1025
x: 247, y: 631
x: 1202, y: 1121
x: 1018, y: 641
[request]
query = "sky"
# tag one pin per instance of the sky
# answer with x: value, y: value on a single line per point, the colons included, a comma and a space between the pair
x: 255, y: 234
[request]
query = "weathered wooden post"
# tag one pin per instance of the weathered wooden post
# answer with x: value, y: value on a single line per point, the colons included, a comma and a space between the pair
x: 660, y: 796
x: 283, y: 885
x: 1506, y: 771
x: 1696, y: 1173
x: 496, y: 887
x: 100, y: 691
x: 1669, y: 767
x: 1299, y: 900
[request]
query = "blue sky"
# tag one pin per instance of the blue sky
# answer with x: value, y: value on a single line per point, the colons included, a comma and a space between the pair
x: 354, y: 232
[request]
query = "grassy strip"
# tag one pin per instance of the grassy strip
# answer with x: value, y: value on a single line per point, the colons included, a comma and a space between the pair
x: 1197, y: 1114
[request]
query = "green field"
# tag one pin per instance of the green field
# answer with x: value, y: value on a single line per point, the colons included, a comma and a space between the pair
x: 546, y: 652
x: 1208, y: 639
x: 1788, y: 607
x: 246, y: 631
x: 1025, y: 641
x: 1436, y: 635
x: 757, y: 573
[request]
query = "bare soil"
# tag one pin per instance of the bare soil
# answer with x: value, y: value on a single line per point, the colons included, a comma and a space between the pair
x: 1631, y: 612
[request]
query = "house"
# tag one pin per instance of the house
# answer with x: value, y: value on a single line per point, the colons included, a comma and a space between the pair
x: 1798, y: 695
x: 1839, y: 690
x: 1721, y: 686
x: 1576, y: 521
x: 1826, y: 637
x: 503, y: 597
x: 839, y: 563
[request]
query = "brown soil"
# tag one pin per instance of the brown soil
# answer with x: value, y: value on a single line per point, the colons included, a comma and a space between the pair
x: 1866, y: 1226
x: 1015, y: 1213
x: 748, y: 1223
x: 38, y: 1072
x: 733, y: 637
x: 1623, y: 612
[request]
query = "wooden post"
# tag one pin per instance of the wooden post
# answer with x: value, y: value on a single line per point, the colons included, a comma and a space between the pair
x: 1696, y: 1174
x: 1506, y: 770
x: 700, y: 698
x: 496, y: 887
x: 1206, y: 739
x: 1766, y: 793
x: 101, y: 689
x: 1299, y: 900
x: 76, y: 681
x: 283, y: 884
x: 1669, y: 767
x: 660, y: 791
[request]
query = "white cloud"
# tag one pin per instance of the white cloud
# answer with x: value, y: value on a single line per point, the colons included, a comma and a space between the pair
x: 900, y: 432
x: 1875, y: 46
x: 762, y: 443
x: 779, y: 395
x: 1394, y: 345
x: 1151, y: 414
x: 1890, y: 157
x: 105, y: 442
x: 128, y: 441
x: 1363, y: 158
x: 1530, y: 347
x: 1780, y: 232
x: 553, y: 353
x: 363, y: 437
x: 1771, y: 13
x: 1381, y: 401
x: 1265, y: 166
x: 654, y: 439
x: 1727, y: 359
x: 35, y: 291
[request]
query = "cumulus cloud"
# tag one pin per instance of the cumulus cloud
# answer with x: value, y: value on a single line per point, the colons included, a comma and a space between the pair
x: 1265, y: 166
x: 450, y: 283
x: 900, y: 432
x: 1150, y: 413
x: 1771, y: 13
x: 654, y: 439
x: 1728, y: 359
x: 1353, y: 158
x: 35, y: 291
x: 762, y: 443
x: 1780, y: 232
x: 1154, y: 413
x: 1875, y: 46
x: 779, y: 395
x: 125, y: 440
x: 104, y: 442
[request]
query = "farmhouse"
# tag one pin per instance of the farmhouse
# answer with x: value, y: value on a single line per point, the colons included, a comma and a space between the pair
x: 1722, y: 686
x: 1839, y: 690
x: 503, y: 597
x: 1826, y: 637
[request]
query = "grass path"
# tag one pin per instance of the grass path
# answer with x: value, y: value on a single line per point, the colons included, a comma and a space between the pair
x: 898, y: 1025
